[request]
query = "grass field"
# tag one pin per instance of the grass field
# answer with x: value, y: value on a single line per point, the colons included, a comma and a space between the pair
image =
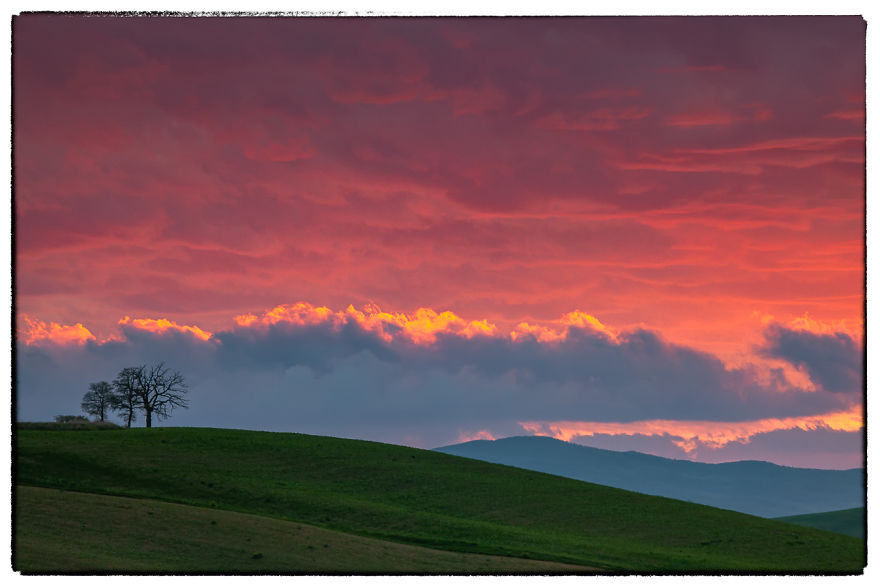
x: 115, y: 534
x: 421, y: 498
x: 850, y: 522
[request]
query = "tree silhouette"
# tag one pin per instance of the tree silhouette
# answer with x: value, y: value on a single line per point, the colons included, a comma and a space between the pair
x: 159, y: 391
x: 125, y: 388
x: 99, y: 401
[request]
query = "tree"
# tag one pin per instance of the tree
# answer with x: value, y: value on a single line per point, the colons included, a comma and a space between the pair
x: 126, y: 393
x: 99, y: 400
x: 159, y: 391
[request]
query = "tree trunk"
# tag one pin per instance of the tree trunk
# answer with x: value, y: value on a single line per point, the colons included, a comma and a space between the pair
x: 149, y: 419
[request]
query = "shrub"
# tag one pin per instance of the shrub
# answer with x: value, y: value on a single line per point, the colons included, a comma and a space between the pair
x: 70, y: 419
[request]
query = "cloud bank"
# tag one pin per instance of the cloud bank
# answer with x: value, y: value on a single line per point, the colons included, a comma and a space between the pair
x: 683, y: 172
x: 430, y: 378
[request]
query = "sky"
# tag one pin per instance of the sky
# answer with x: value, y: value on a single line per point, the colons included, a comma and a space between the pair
x: 633, y: 233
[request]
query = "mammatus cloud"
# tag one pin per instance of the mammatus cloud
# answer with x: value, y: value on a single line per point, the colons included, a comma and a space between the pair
x: 429, y: 378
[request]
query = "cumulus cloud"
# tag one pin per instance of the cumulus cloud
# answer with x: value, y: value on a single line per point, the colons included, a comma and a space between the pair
x: 373, y: 374
x: 834, y: 361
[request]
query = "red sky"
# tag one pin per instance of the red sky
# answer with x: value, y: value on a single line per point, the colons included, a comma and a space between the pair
x: 701, y: 179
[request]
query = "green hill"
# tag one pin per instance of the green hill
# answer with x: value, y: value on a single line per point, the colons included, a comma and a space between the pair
x: 111, y: 534
x: 422, y: 498
x: 850, y: 522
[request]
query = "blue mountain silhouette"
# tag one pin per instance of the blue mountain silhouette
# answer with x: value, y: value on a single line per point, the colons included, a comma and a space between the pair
x: 753, y: 487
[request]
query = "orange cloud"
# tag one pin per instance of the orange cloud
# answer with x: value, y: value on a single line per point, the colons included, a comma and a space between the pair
x: 541, y: 333
x: 584, y: 320
x: 246, y: 319
x: 687, y: 434
x: 38, y: 331
x: 852, y: 328
x: 478, y: 435
x: 558, y: 329
x: 421, y: 326
x: 162, y: 326
x: 301, y: 313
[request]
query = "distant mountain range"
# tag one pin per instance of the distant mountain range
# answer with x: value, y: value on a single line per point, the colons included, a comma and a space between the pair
x: 753, y: 487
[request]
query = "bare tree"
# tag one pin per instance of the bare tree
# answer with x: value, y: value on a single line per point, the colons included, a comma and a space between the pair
x: 160, y: 390
x: 127, y: 394
x: 99, y: 401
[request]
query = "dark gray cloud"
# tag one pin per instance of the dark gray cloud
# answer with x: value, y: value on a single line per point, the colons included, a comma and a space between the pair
x: 834, y: 361
x: 344, y: 380
x: 284, y: 345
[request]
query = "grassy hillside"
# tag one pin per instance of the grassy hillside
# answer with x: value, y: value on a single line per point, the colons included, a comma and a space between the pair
x: 850, y: 522
x: 115, y: 534
x: 424, y: 498
x: 753, y: 487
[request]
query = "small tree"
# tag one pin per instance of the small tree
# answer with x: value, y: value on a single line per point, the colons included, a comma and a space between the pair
x: 126, y: 393
x: 99, y: 401
x: 160, y: 390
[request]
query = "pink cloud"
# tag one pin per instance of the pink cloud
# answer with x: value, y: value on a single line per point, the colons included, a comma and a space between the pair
x: 717, y: 68
x: 701, y: 119
x: 854, y: 115
x: 219, y: 166
x: 689, y: 435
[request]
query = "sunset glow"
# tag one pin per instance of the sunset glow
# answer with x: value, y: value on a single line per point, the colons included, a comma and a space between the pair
x: 432, y: 229
x: 687, y: 433
x: 162, y: 325
x: 38, y: 332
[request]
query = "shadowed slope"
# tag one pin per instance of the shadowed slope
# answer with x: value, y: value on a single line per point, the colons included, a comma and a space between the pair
x: 850, y: 522
x: 111, y: 534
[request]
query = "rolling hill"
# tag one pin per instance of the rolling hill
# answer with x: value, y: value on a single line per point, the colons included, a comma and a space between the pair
x: 387, y: 493
x: 753, y: 487
x: 850, y: 522
x: 111, y: 533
